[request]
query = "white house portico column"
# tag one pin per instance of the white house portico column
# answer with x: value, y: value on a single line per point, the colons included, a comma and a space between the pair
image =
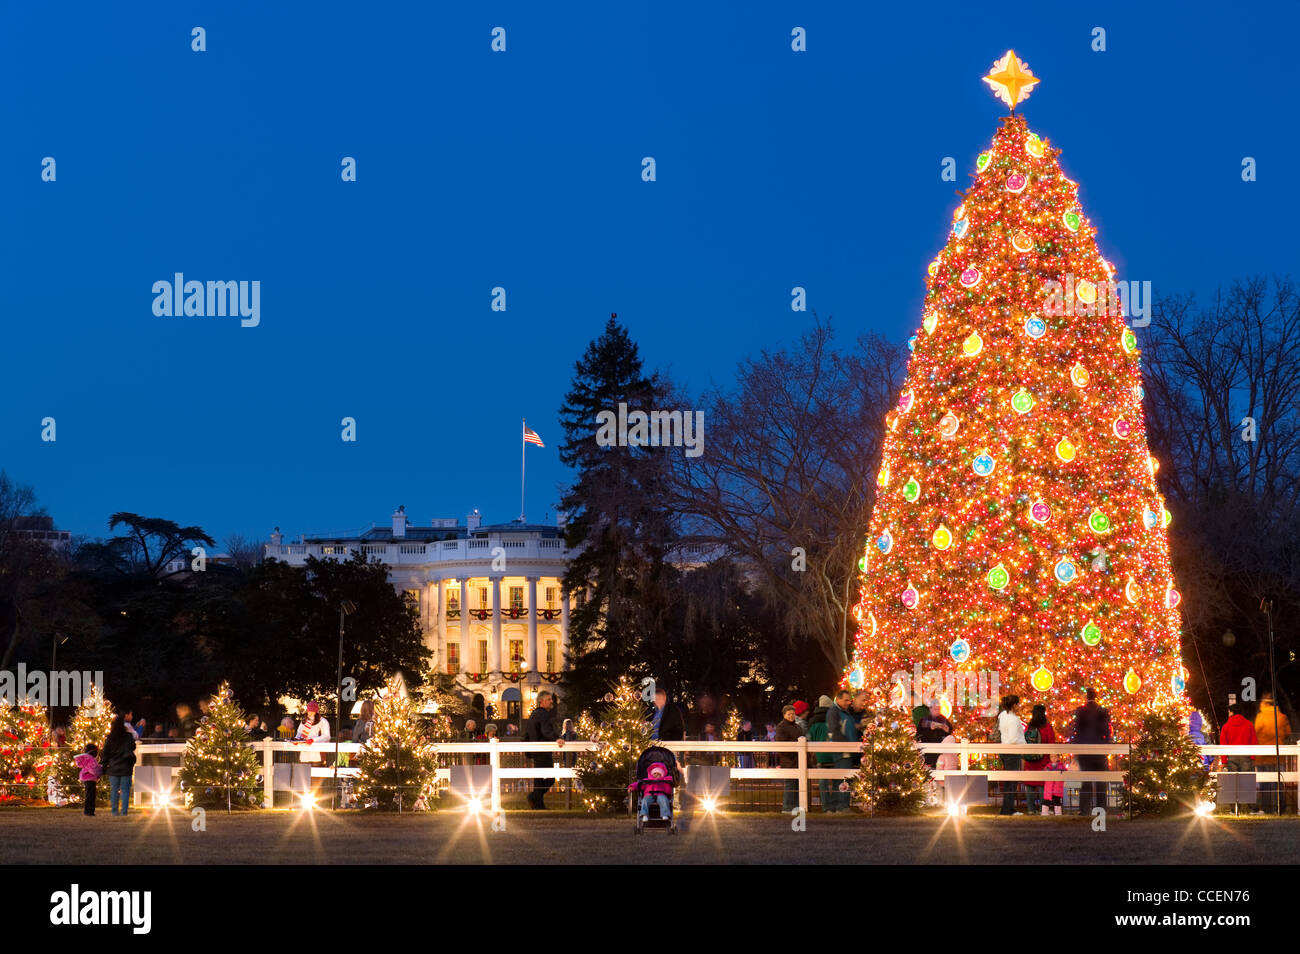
x: 494, y: 647
x: 564, y: 628
x: 441, y: 650
x: 530, y: 658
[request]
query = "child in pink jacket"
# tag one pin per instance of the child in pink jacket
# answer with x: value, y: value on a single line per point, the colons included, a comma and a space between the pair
x: 88, y: 762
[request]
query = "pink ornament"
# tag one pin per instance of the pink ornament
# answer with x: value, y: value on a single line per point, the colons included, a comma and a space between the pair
x: 1016, y: 182
x: 970, y: 277
x: 905, y: 401
x: 909, y: 597
x: 1040, y: 512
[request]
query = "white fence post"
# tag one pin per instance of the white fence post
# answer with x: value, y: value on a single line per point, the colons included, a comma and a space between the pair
x: 803, y: 774
x: 494, y: 759
x: 268, y: 774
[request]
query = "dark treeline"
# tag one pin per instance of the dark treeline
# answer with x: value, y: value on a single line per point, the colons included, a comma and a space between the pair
x: 162, y: 636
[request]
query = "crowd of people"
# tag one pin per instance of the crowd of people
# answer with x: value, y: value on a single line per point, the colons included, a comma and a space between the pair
x: 838, y: 718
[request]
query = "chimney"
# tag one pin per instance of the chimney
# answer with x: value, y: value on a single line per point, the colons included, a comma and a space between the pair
x: 472, y: 521
x: 276, y: 537
x: 399, y: 523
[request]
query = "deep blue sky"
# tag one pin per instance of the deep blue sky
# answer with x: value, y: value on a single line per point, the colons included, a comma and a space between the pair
x: 522, y: 169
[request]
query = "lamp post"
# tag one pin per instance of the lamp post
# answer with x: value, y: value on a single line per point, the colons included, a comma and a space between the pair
x: 1266, y: 605
x: 346, y: 608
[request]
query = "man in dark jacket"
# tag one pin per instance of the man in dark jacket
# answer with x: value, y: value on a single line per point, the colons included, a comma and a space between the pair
x: 1092, y: 727
x: 842, y: 726
x: 540, y: 727
x: 788, y: 730
x: 666, y: 724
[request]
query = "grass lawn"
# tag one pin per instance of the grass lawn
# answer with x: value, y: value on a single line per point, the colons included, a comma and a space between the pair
x: 66, y: 836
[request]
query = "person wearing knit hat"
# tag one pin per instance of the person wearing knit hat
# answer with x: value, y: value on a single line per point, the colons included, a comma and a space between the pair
x: 825, y: 702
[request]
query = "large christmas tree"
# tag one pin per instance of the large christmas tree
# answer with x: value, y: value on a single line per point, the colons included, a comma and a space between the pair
x: 1018, y: 543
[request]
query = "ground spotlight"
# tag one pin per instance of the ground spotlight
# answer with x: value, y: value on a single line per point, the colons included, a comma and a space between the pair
x: 307, y: 802
x: 474, y: 805
x: 710, y: 803
x: 1205, y: 809
x: 954, y: 809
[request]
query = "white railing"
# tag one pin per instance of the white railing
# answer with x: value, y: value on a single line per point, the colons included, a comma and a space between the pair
x: 803, y: 770
x: 398, y: 554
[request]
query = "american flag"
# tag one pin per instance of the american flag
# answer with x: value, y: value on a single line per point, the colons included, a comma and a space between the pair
x: 530, y: 437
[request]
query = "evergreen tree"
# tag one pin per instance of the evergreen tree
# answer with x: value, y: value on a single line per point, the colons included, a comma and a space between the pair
x: 893, y: 774
x: 619, y: 522
x: 220, y: 769
x: 1018, y: 525
x: 622, y: 731
x: 399, y: 763
x: 26, y: 757
x: 90, y: 723
x: 1165, y: 772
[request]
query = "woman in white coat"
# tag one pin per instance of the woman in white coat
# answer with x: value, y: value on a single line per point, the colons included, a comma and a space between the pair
x: 313, y: 730
x: 1012, y: 732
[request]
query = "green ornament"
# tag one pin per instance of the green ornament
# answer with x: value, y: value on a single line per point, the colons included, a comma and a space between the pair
x: 911, y: 490
x: 1091, y: 633
x: 982, y: 162
x: 998, y: 577
x: 1098, y: 522
x: 1022, y: 402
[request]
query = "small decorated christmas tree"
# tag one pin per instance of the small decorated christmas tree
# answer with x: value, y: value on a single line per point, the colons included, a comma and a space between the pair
x: 730, y: 730
x: 1165, y: 771
x: 220, y: 769
x: 90, y: 723
x: 622, y: 732
x: 398, y: 765
x: 893, y: 774
x: 26, y: 757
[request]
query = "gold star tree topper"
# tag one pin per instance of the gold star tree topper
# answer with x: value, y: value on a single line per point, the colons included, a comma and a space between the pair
x: 1011, y: 79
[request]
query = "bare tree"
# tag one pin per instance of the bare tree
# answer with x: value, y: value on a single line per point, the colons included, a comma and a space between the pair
x: 245, y: 551
x: 786, y: 482
x: 1224, y: 421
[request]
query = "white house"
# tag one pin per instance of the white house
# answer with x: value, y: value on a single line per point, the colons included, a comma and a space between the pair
x: 490, y: 596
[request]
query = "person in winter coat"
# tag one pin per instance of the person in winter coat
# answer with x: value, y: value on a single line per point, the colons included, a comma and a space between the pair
x: 842, y: 726
x: 746, y: 734
x: 313, y: 729
x: 1196, y: 732
x: 1012, y: 733
x: 1036, y: 792
x: 364, y: 727
x: 118, y: 759
x: 666, y: 723
x: 540, y: 727
x: 801, y: 715
x: 88, y: 763
x: 1272, y: 727
x: 1238, y: 730
x: 789, y: 731
x: 817, y: 732
x: 1091, y: 727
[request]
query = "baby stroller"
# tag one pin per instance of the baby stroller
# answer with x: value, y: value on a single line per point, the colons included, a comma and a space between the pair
x: 657, y: 774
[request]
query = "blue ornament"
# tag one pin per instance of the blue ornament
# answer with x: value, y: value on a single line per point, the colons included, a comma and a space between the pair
x: 1150, y: 519
x: 911, y: 343
x: 1035, y: 327
x: 856, y: 678
x: 885, y: 543
x: 960, y: 651
x: 1177, y: 684
x: 960, y: 226
x: 982, y: 465
x: 1065, y: 571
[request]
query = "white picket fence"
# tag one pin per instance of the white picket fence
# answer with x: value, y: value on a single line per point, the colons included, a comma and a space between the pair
x: 158, y: 781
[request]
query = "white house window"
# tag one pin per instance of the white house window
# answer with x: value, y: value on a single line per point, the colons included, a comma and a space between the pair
x: 552, y: 654
x: 551, y: 593
x: 516, y: 597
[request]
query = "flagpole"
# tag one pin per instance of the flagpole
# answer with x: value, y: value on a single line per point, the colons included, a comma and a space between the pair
x: 523, y: 458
